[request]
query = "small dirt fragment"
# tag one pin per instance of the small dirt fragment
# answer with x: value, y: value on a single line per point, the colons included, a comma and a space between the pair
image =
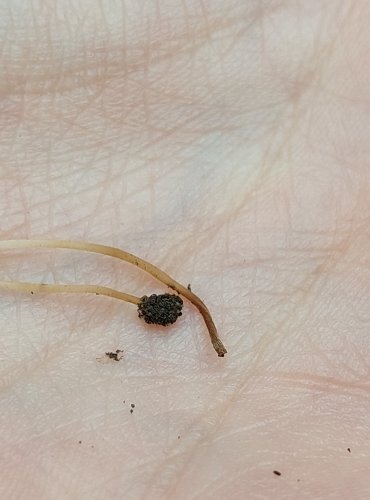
x: 277, y: 473
x: 349, y: 450
x: 116, y: 356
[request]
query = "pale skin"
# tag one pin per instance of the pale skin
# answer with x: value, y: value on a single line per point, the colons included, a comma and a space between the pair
x: 228, y: 145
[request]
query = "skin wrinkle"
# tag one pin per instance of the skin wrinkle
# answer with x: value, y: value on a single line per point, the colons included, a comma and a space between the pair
x: 55, y: 179
x: 100, y: 199
x: 289, y: 135
x: 240, y: 204
x: 320, y: 354
x: 310, y: 124
x: 199, y: 131
x: 325, y: 384
x: 47, y: 355
x: 114, y: 68
x: 72, y: 324
x: 326, y: 267
x: 30, y: 366
x: 174, y: 130
x: 218, y: 415
x: 306, y: 287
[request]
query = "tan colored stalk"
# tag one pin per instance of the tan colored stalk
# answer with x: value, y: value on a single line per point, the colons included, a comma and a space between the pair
x: 119, y: 254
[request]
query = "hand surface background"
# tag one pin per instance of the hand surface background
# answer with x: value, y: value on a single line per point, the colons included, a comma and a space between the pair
x: 227, y: 143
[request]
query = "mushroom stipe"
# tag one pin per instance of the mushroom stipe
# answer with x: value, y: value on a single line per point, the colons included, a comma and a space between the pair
x: 156, y: 309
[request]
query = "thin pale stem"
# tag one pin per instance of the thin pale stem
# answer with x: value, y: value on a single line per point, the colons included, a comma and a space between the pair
x: 22, y: 286
x: 136, y: 261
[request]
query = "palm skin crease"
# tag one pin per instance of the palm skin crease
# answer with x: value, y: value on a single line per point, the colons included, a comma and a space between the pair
x: 227, y: 144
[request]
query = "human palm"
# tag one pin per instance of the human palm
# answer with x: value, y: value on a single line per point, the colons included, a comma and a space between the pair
x: 227, y: 144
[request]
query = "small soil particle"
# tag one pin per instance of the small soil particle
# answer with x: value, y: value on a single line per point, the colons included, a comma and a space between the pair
x: 79, y: 442
x: 115, y: 355
x: 131, y: 411
x: 349, y: 450
x: 277, y: 473
x: 132, y: 405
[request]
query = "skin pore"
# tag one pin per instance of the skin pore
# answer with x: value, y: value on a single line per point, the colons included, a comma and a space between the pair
x: 227, y: 143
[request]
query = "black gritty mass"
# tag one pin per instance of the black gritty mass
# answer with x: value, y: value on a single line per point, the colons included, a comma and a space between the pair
x: 160, y: 309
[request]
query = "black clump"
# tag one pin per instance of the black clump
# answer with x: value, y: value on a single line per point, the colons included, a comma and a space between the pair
x: 160, y: 309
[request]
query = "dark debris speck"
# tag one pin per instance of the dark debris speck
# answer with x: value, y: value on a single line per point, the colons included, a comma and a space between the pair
x: 277, y: 473
x: 115, y: 355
